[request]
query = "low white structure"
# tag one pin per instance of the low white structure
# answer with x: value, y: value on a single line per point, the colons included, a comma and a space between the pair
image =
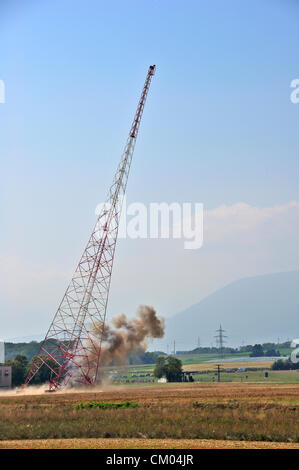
x: 163, y: 380
x: 295, y: 353
x: 5, y: 377
x: 2, y: 352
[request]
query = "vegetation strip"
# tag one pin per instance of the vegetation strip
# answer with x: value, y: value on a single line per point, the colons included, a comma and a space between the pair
x: 105, y: 405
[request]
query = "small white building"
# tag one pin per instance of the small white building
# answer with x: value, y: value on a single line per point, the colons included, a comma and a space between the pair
x: 5, y: 377
x: 2, y: 352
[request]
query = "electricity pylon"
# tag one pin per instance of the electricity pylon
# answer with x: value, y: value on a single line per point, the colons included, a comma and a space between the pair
x: 220, y: 339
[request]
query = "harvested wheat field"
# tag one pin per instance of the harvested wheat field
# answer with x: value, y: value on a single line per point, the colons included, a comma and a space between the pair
x: 143, y: 444
x: 212, y: 365
x: 157, y: 416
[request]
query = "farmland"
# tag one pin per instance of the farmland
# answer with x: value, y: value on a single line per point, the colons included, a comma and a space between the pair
x: 254, y: 372
x: 230, y: 412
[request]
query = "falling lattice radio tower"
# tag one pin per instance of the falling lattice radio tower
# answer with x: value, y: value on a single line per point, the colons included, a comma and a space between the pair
x: 72, y: 346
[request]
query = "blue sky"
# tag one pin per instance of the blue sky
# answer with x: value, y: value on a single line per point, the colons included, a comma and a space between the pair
x: 218, y: 128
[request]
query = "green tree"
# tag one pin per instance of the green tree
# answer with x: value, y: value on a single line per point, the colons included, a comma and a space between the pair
x: 272, y: 353
x: 286, y: 364
x: 21, y: 359
x: 44, y: 373
x: 159, y: 370
x: 139, y: 356
x: 169, y: 367
x: 18, y: 369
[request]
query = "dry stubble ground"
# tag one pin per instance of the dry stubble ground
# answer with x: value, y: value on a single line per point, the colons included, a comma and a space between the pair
x: 169, y: 416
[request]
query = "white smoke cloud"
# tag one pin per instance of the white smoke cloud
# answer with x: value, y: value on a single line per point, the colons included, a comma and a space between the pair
x: 241, y: 218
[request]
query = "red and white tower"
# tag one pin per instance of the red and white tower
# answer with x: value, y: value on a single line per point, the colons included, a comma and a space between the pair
x: 72, y: 346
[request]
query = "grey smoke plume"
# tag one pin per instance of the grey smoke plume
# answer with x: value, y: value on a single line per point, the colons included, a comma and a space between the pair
x: 128, y: 335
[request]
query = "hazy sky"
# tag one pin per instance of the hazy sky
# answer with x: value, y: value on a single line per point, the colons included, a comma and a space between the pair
x: 218, y: 128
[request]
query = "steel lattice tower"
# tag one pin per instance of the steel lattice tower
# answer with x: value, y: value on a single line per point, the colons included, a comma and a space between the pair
x: 220, y: 339
x: 72, y: 346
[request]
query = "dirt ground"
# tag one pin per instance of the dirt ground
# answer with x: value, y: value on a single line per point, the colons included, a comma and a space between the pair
x: 178, y: 392
x: 235, y: 411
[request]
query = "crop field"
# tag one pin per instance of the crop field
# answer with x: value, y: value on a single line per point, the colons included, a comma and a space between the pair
x: 250, y: 376
x: 199, y: 414
x: 253, y: 372
x: 228, y: 365
x: 199, y: 358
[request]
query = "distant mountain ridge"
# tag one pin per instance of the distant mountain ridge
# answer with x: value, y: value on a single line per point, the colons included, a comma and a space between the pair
x: 251, y: 310
x: 254, y: 310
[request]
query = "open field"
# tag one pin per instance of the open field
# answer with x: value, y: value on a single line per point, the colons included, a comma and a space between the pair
x: 206, y: 372
x: 144, y: 444
x: 227, y: 365
x: 192, y: 411
x: 250, y: 376
x: 199, y: 358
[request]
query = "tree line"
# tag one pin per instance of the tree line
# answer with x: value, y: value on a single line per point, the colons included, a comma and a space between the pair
x: 166, y: 366
x: 265, y: 349
x: 29, y: 350
x: 20, y: 368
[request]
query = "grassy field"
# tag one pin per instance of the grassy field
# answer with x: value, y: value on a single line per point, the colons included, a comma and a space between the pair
x: 228, y: 365
x: 206, y: 372
x: 251, y: 377
x: 218, y: 411
x: 200, y: 358
x: 187, y: 365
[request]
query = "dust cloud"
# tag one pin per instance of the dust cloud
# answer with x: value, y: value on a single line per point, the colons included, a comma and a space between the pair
x: 119, y: 341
